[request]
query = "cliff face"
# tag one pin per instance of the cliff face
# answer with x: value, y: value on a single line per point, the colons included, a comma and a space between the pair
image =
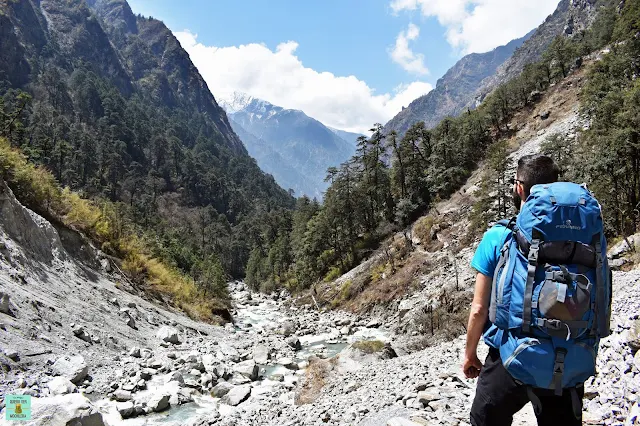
x: 473, y: 77
x: 455, y: 90
x: 133, y: 53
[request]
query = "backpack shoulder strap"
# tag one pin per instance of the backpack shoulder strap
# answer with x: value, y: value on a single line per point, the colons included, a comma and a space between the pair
x: 508, y: 223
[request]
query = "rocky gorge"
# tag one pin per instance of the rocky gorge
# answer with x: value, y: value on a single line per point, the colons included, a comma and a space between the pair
x: 91, y: 351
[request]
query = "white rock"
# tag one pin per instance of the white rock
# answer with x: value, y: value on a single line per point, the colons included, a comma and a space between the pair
x: 71, y: 409
x: 72, y: 367
x: 61, y: 386
x: 168, y: 334
x: 261, y: 354
x: 248, y: 369
x: 237, y: 395
x: 125, y: 409
x: 158, y: 402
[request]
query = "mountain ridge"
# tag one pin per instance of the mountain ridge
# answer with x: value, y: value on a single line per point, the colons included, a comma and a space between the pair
x: 295, y: 148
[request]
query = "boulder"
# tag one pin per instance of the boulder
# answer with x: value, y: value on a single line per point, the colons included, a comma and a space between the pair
x: 135, y: 352
x: 4, y: 304
x: 294, y: 343
x: 71, y: 409
x: 122, y: 395
x: 248, y: 369
x: 545, y: 114
x: 633, y: 338
x: 168, y: 334
x: 72, y: 367
x: 288, y: 363
x: 374, y: 323
x: 12, y: 355
x: 126, y: 409
x: 428, y: 395
x: 221, y: 389
x: 82, y: 334
x: 261, y: 354
x: 158, y: 402
x: 237, y: 395
x: 287, y: 328
x: 61, y: 386
x: 176, y: 376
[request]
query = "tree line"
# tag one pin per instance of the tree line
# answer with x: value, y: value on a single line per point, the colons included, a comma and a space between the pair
x: 393, y: 180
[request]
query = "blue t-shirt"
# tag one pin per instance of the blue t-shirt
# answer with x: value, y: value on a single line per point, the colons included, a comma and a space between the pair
x: 486, y: 257
x: 485, y: 261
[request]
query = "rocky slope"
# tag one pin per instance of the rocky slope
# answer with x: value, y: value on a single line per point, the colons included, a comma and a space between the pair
x: 455, y: 90
x: 467, y: 83
x: 295, y: 148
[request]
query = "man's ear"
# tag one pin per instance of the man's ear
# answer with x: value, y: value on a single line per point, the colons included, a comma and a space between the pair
x: 521, y: 193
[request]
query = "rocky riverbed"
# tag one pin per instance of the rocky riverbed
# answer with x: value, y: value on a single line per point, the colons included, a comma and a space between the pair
x: 77, y: 337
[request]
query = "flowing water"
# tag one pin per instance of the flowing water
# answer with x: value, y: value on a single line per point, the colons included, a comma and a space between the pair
x: 262, y: 316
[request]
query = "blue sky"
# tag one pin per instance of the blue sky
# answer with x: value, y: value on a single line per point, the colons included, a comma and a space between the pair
x: 348, y: 63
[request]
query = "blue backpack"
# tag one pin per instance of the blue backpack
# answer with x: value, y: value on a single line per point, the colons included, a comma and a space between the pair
x: 551, y: 293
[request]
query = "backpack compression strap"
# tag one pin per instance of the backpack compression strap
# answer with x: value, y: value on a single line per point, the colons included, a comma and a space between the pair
x: 528, y: 291
x: 600, y: 324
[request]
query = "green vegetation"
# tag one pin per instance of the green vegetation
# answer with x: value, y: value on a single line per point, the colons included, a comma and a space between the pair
x: 368, y: 346
x: 101, y: 222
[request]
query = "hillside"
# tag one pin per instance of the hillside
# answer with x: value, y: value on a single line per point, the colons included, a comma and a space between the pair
x: 112, y: 105
x: 295, y: 148
x: 455, y: 91
x: 468, y: 82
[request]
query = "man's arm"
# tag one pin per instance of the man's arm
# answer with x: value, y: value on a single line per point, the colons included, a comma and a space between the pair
x: 477, y: 319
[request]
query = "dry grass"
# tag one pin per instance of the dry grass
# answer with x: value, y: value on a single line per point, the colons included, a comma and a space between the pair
x: 368, y: 346
x: 314, y: 380
x: 38, y: 189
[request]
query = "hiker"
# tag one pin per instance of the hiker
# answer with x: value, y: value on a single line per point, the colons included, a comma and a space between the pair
x: 542, y: 301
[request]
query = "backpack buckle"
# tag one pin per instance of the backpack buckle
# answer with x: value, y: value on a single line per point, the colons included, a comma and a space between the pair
x: 558, y: 370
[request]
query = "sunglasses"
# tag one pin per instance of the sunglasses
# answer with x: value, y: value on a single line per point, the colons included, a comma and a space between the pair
x: 514, y: 180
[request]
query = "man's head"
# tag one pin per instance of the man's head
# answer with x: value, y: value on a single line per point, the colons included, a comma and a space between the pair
x: 533, y: 170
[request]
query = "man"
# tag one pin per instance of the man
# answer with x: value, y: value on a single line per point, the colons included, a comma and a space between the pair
x: 498, y: 395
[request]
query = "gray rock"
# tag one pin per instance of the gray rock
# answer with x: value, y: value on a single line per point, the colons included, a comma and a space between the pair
x: 294, y: 343
x: 168, y: 334
x: 82, y: 334
x: 287, y: 328
x: 248, y: 369
x: 72, y: 367
x: 126, y: 409
x: 61, y: 386
x: 221, y: 389
x: 176, y: 376
x: 147, y: 373
x: 135, y: 352
x: 237, y: 395
x: 261, y: 354
x: 374, y: 323
x: 12, y: 355
x: 545, y: 114
x: 158, y: 402
x: 71, y: 409
x: 122, y: 395
x: 4, y: 304
x: 428, y: 395
x: 633, y: 338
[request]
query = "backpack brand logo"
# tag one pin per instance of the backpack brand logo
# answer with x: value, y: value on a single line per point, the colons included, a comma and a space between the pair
x: 569, y: 225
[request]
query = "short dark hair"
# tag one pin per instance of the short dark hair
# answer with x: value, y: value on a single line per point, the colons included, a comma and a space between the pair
x: 536, y: 169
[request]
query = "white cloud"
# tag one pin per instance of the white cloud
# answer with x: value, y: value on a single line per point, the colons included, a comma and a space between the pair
x: 343, y: 102
x: 481, y: 25
x: 403, y: 55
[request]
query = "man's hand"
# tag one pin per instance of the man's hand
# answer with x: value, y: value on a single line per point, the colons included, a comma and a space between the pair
x: 477, y: 318
x: 471, y: 366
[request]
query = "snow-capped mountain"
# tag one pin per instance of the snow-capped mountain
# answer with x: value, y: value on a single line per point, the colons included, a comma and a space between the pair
x: 295, y: 148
